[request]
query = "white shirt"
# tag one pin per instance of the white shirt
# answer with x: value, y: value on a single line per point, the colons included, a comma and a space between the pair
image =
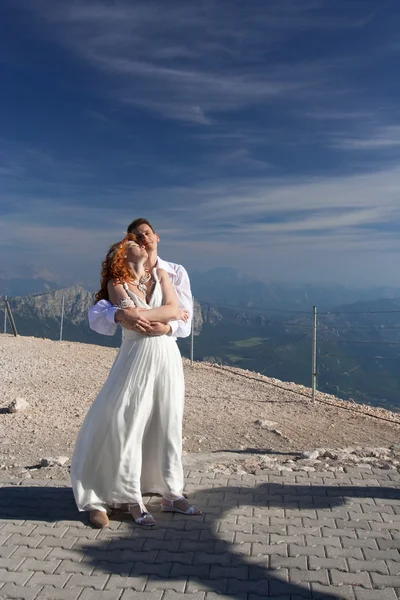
x: 101, y: 315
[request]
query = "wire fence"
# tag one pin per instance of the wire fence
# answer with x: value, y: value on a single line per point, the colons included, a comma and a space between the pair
x: 352, y: 354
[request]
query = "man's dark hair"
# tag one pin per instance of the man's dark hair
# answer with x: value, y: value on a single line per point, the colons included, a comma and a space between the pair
x: 136, y: 223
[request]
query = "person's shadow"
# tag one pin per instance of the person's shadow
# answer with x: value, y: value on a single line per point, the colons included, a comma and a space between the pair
x: 187, y: 553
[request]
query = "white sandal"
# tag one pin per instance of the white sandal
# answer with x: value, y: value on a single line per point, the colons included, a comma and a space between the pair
x: 192, y: 510
x: 146, y: 519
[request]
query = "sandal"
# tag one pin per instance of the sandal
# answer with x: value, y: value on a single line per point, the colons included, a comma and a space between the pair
x: 145, y: 519
x: 191, y: 510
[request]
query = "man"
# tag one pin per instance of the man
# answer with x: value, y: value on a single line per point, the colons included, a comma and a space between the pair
x: 104, y: 318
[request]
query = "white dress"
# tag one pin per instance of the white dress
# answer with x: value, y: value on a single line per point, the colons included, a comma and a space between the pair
x: 130, y: 442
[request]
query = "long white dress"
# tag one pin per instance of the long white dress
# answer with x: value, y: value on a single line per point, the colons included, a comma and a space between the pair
x: 130, y: 442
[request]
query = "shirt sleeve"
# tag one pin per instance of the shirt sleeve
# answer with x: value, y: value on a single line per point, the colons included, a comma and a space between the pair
x: 182, y: 288
x: 101, y: 318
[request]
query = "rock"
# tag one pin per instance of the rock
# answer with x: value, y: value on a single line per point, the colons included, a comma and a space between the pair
x: 313, y: 455
x: 266, y: 424
x: 61, y: 460
x: 46, y: 462
x: 18, y: 405
x: 307, y: 469
x: 330, y: 454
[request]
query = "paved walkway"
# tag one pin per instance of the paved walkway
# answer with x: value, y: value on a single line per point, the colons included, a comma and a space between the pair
x: 277, y: 535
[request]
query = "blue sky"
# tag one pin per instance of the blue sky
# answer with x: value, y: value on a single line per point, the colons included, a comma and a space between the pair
x: 262, y: 135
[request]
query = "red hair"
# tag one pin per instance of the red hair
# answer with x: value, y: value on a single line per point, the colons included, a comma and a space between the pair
x: 114, y: 267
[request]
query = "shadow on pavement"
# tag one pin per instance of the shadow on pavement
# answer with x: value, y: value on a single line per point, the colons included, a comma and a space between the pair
x: 191, y: 553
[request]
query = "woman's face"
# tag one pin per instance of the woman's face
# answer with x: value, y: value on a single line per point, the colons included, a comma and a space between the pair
x: 134, y: 252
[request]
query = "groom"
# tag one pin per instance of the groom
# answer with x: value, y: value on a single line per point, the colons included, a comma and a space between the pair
x: 104, y: 318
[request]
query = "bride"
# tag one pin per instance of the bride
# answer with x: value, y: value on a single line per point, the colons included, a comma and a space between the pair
x: 130, y: 442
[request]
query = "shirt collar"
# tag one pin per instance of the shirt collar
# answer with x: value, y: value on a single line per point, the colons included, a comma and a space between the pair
x: 163, y: 264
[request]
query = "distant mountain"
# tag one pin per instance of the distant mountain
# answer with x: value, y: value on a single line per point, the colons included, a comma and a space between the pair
x: 358, y: 344
x: 226, y: 286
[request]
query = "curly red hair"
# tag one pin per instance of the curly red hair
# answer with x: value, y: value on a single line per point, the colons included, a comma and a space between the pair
x: 114, y: 267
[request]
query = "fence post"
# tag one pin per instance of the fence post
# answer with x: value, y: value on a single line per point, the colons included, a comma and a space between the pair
x: 10, y: 317
x: 192, y: 335
x: 62, y: 318
x: 5, y: 315
x: 314, y: 354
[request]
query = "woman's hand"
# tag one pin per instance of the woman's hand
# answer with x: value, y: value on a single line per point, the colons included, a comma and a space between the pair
x: 183, y: 315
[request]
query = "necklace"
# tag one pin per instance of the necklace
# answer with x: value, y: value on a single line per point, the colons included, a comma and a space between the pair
x: 141, y: 283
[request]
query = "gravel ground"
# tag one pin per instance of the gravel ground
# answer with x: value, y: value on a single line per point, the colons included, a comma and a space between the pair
x: 227, y: 410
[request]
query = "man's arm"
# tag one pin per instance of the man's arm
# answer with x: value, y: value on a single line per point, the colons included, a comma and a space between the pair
x: 182, y: 288
x: 104, y: 318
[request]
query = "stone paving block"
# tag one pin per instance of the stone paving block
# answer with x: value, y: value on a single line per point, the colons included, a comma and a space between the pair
x: 11, y: 564
x: 295, y: 550
x: 22, y: 540
x: 393, y: 566
x: 7, y: 551
x: 202, y: 558
x: 214, y: 596
x: 51, y: 593
x: 158, y: 583
x: 185, y: 571
x: 359, y: 566
x: 117, y: 582
x: 17, y: 591
x: 353, y: 543
x: 89, y: 594
x: 15, y: 577
x: 57, y: 532
x: 345, y: 553
x: 340, y: 578
x: 262, y: 549
x: 33, y: 564
x: 260, y: 587
x: 316, y: 563
x: 21, y: 529
x: 142, y: 568
x: 304, y: 576
x: 52, y: 542
x: 382, y: 581
x: 329, y: 532
x: 367, y: 535
x: 73, y: 566
x: 281, y: 588
x: 390, y: 554
x: 40, y: 578
x: 168, y: 545
x: 236, y: 572
x: 98, y: 581
x: 321, y: 592
x: 386, y: 594
x: 243, y: 538
x: 58, y: 554
x: 388, y: 544
x: 312, y: 540
x: 177, y: 596
x: 287, y: 562
x: 185, y: 558
x: 299, y: 540
x: 193, y: 585
x: 132, y: 595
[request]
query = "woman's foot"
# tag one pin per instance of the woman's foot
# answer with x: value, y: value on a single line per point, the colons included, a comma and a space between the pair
x: 141, y: 516
x: 180, y: 505
x: 99, y: 519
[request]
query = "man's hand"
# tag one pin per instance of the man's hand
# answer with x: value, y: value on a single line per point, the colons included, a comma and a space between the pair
x: 133, y: 318
x: 158, y: 329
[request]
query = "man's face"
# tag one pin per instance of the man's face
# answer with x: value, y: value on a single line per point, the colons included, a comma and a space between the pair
x: 147, y: 237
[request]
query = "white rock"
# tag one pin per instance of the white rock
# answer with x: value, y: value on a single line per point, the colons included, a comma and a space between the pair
x: 313, y: 455
x: 61, y: 460
x: 18, y: 405
x: 266, y: 424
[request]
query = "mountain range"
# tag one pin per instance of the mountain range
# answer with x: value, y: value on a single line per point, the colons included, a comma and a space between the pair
x: 262, y: 327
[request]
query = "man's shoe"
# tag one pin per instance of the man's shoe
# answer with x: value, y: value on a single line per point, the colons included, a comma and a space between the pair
x: 99, y: 519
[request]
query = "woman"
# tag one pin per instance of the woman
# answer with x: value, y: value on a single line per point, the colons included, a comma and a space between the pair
x: 131, y: 440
